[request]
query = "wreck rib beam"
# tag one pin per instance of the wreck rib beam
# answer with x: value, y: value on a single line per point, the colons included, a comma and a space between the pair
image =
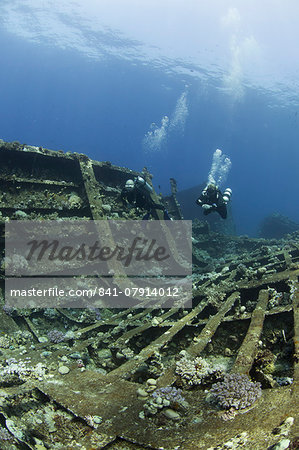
x: 91, y: 188
x: 203, y: 339
x: 248, y: 349
x: 133, y: 364
x: 138, y: 330
x: 209, y: 330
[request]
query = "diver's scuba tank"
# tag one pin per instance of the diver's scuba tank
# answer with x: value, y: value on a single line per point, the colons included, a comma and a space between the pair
x: 227, y: 195
x: 141, y: 183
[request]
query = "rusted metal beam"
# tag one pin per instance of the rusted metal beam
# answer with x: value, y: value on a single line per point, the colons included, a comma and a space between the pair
x: 248, y: 349
x: 248, y: 284
x: 12, y: 179
x: 204, y: 337
x: 92, y: 189
x: 138, y: 330
x: 133, y: 364
x: 209, y: 330
x: 112, y: 320
x: 31, y: 327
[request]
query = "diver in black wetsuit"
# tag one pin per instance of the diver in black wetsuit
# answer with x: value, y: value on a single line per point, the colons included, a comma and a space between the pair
x: 138, y: 193
x: 211, y: 199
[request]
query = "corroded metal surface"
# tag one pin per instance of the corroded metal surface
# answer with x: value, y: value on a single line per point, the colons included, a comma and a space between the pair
x: 212, y: 325
x: 248, y: 349
x: 247, y: 304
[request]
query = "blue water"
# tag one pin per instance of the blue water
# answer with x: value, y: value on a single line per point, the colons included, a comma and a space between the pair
x: 62, y: 99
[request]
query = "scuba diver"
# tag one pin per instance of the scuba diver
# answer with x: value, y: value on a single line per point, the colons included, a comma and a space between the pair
x: 138, y: 193
x: 211, y: 199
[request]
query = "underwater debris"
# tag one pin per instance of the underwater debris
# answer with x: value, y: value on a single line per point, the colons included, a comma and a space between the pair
x: 123, y: 349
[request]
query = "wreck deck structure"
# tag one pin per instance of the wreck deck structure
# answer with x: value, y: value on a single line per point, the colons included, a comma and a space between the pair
x: 244, y: 306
